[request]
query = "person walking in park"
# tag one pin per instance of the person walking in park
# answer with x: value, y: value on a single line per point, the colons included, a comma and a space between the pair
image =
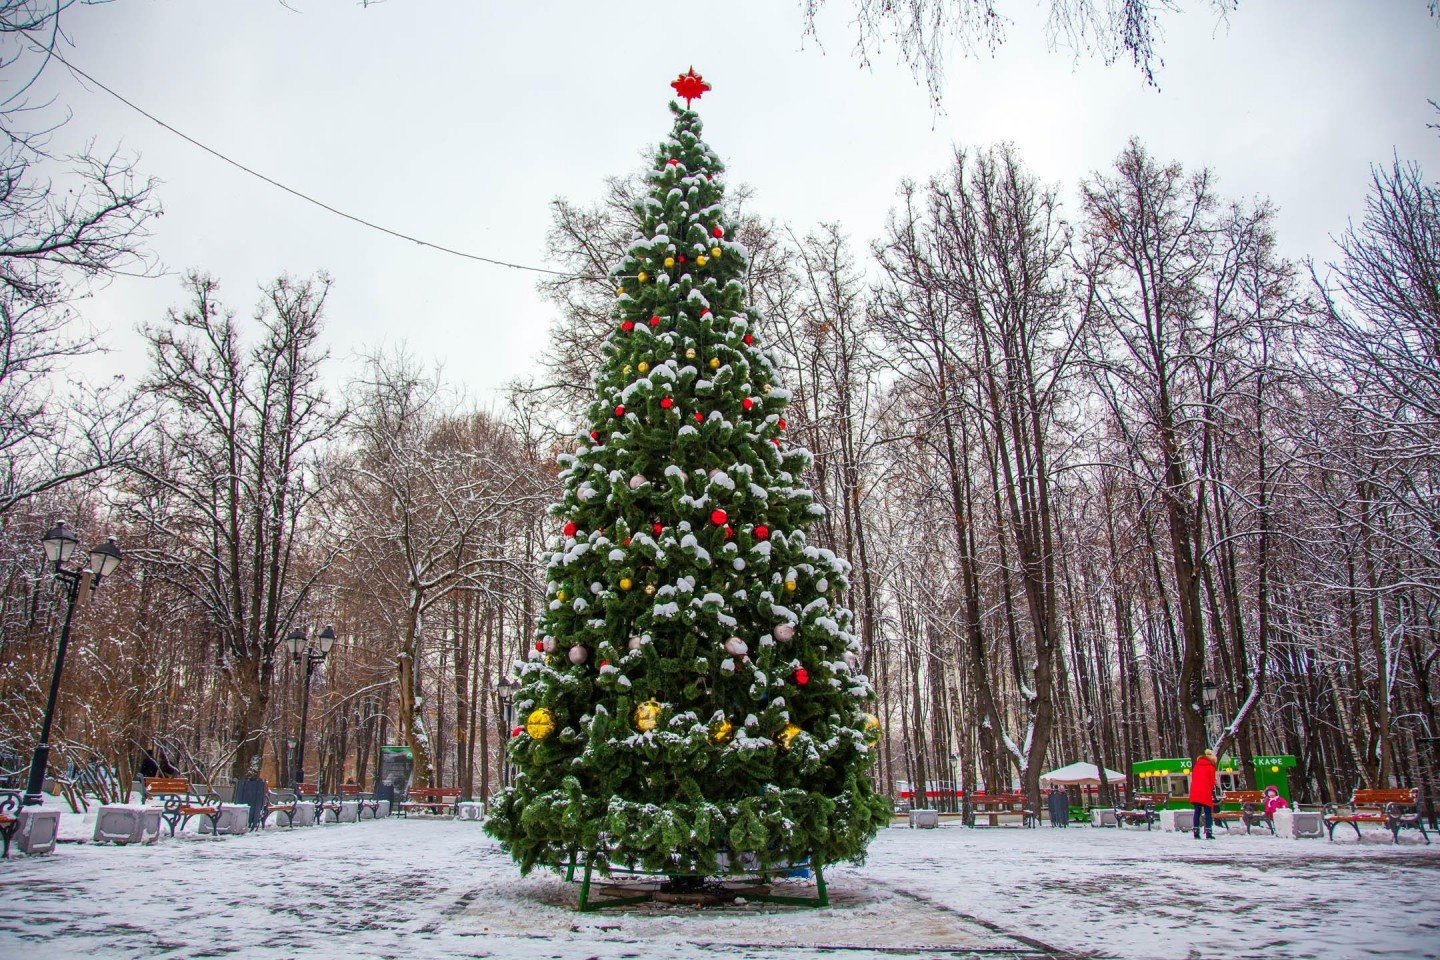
x: 1202, y: 792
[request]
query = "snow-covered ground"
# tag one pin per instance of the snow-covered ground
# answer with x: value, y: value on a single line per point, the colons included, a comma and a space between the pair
x: 432, y: 889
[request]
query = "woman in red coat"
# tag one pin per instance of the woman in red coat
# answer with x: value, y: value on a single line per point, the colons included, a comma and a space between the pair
x: 1202, y: 792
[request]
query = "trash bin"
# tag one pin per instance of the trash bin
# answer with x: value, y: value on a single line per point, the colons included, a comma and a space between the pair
x: 1057, y: 805
x: 252, y: 791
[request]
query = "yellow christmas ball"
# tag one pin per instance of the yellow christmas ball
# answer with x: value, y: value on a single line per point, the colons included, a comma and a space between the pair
x: 669, y: 262
x: 649, y: 589
x: 787, y: 736
x: 625, y: 369
x: 765, y: 389
x: 619, y: 291
x: 701, y: 260
x: 872, y: 729
x: 642, y: 276
x: 647, y: 716
x: 714, y: 251
x: 690, y: 354
x: 625, y: 583
x: 714, y: 363
x: 643, y: 367
x: 722, y: 732
x: 559, y: 594
x: 540, y: 724
x: 790, y: 586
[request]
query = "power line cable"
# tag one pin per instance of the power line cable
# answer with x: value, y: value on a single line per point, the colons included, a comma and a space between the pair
x: 305, y: 196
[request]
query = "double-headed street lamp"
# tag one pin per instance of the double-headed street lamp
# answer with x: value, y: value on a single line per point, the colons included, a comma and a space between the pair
x: 60, y: 545
x: 315, y: 654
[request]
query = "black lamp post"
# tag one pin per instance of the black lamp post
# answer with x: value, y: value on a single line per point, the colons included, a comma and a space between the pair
x: 315, y: 655
x: 1209, y: 693
x: 60, y: 545
x: 506, y: 691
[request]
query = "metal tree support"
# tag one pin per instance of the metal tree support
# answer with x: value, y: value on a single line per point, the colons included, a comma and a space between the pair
x: 753, y: 885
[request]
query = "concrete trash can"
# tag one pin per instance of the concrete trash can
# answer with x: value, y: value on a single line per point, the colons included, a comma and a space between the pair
x: 349, y: 811
x: 304, y: 813
x: 1103, y: 817
x: 382, y: 808
x: 234, y: 820
x: 470, y: 810
x: 1294, y: 824
x: 924, y: 819
x: 124, y: 823
x: 38, y: 830
x: 1177, y: 821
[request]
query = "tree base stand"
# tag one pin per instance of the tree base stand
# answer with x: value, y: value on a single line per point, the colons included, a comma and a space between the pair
x: 643, y: 886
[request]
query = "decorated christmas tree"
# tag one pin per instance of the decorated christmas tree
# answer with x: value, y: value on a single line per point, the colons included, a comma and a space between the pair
x: 693, y: 701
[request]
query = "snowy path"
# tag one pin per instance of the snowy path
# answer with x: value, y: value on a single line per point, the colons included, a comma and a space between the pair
x: 442, y: 889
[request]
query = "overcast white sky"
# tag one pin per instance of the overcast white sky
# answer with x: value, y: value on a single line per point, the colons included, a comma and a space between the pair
x: 458, y: 121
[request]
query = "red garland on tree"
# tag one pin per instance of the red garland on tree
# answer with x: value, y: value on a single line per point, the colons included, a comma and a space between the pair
x: 690, y: 86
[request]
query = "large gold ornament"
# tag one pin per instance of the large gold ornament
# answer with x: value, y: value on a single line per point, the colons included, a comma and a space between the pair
x: 722, y: 732
x: 647, y: 716
x: 540, y: 724
x: 786, y: 736
x: 872, y: 729
x: 643, y: 367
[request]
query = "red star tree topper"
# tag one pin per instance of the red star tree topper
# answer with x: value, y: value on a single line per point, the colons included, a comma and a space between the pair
x: 691, y: 86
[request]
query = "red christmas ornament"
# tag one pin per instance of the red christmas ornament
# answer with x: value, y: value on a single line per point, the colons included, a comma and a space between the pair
x: 516, y: 732
x: 681, y: 258
x: 728, y: 532
x: 749, y: 339
x: 540, y: 646
x: 672, y: 163
x: 604, y: 663
x: 718, y: 231
x: 627, y: 542
x: 628, y: 325
x: 666, y: 403
x: 776, y: 441
x: 595, y: 435
x: 718, y: 517
x: 655, y: 321
x: 762, y: 532
x: 658, y: 528
x: 705, y: 312
x: 570, y: 529
x: 699, y: 417
x: 690, y: 86
x: 620, y: 410
x: 802, y: 676
x: 781, y: 424
x: 747, y: 403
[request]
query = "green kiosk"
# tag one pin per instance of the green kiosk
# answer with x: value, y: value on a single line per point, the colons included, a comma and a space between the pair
x: 1171, y: 777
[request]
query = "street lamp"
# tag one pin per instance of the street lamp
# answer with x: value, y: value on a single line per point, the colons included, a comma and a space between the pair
x: 506, y: 691
x: 60, y: 545
x: 315, y: 655
x: 1209, y: 694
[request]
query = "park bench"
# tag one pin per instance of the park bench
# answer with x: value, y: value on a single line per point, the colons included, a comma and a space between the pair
x: 1396, y: 809
x: 432, y: 800
x: 9, y: 818
x: 311, y: 791
x: 351, y: 791
x: 182, y: 801
x: 994, y: 806
x: 279, y: 802
x: 1251, y: 812
x: 1143, y: 808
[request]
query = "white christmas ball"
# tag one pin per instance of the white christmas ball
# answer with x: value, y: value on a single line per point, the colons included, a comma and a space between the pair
x: 549, y: 644
x: 579, y: 654
x: 635, y: 643
x: 785, y: 632
x: 736, y: 647
x: 638, y: 481
x: 822, y: 585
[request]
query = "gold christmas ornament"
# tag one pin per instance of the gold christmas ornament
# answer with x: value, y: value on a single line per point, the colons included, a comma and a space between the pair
x: 690, y: 353
x: 722, y: 732
x: 619, y: 291
x: 540, y: 724
x: 872, y: 729
x: 786, y: 736
x: 765, y: 389
x: 790, y: 586
x: 643, y: 367
x: 642, y: 276
x: 649, y: 589
x: 647, y: 716
x: 714, y: 363
x: 625, y: 369
x: 560, y: 595
x: 625, y: 583
x: 701, y: 260
x: 669, y: 262
x: 714, y: 251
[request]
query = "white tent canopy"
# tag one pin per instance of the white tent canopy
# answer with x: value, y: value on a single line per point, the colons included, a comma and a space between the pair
x: 1080, y: 775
